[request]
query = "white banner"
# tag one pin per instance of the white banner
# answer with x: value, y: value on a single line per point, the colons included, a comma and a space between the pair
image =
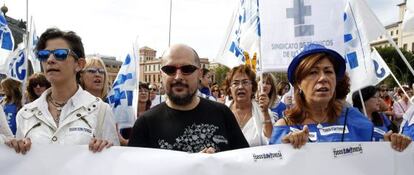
x: 362, y: 27
x: 288, y: 25
x: 242, y: 36
x: 371, y: 158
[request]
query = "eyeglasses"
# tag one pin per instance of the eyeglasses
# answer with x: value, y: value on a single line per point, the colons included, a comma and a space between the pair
x: 185, y: 70
x: 237, y: 83
x: 59, y: 54
x: 94, y: 70
x: 214, y: 90
x: 153, y: 89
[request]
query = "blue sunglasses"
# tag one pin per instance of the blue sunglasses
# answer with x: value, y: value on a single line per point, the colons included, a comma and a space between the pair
x: 59, y: 54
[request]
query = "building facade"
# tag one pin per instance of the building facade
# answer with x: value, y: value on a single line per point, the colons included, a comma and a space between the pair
x: 402, y: 39
x: 150, y: 66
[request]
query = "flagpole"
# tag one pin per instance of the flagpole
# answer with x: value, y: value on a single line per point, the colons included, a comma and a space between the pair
x: 399, y: 52
x: 169, y: 28
x: 362, y: 102
x: 26, y: 53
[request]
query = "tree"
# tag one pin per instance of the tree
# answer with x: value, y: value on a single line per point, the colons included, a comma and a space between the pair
x: 397, y: 65
x: 220, y: 73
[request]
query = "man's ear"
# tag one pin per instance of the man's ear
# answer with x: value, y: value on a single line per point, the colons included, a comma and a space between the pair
x: 81, y: 64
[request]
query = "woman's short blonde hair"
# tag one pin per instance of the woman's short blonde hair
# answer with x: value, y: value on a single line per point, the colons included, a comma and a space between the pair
x: 96, y: 61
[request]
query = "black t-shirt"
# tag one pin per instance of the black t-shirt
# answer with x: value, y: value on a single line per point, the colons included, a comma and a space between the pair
x: 210, y: 124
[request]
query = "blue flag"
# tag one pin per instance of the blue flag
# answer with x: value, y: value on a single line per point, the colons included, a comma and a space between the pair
x: 122, y: 93
x: 6, y: 44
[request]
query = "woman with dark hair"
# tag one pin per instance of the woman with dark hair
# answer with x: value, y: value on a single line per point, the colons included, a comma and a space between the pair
x: 284, y: 98
x: 318, y: 116
x: 144, y: 104
x: 205, y: 82
x: 381, y: 122
x: 216, y: 93
x: 254, y: 118
x: 65, y: 113
x: 37, y: 84
x: 12, y: 101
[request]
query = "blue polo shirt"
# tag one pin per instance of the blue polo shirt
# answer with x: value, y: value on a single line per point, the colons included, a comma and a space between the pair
x: 352, y: 126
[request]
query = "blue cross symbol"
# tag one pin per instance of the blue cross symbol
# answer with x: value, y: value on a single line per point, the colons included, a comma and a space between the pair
x: 116, y: 98
x: 298, y: 13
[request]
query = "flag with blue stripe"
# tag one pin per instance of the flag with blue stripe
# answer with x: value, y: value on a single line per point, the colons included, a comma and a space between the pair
x: 243, y: 35
x: 17, y: 66
x: 361, y: 27
x: 122, y: 93
x: 6, y: 44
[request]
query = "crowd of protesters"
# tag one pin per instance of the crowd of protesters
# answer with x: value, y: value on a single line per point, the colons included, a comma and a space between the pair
x: 67, y: 104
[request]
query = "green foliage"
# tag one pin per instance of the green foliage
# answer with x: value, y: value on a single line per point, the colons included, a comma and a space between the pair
x: 220, y: 73
x: 397, y: 65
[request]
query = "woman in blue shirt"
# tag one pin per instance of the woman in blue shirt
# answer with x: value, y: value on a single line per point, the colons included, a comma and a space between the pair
x: 372, y: 103
x: 12, y: 101
x: 318, y: 116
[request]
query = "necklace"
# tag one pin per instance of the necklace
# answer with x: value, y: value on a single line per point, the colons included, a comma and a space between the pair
x: 319, y: 126
x: 58, y: 107
x: 242, y: 119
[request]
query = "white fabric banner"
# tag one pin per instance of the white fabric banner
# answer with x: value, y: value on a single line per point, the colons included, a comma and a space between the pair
x: 243, y: 35
x: 362, y: 27
x: 371, y: 158
x: 286, y: 26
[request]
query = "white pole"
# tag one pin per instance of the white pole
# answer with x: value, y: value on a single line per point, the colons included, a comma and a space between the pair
x: 399, y: 52
x: 405, y: 93
x: 362, y: 102
x: 26, y: 59
x: 169, y: 29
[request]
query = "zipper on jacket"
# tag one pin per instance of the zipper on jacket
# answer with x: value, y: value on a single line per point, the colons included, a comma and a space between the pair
x: 86, y: 121
x: 34, y: 126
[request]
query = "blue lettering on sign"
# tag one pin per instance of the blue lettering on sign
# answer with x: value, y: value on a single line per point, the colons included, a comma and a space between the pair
x: 379, y: 71
x: 119, y: 95
x: 20, y: 74
x: 122, y: 78
x: 298, y: 13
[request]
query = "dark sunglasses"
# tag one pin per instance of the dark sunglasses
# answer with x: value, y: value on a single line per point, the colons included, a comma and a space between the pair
x: 59, y: 54
x: 153, y: 89
x: 185, y: 70
x: 93, y: 70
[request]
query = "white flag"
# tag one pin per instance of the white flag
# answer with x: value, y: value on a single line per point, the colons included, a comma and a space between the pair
x: 121, y: 95
x: 243, y: 35
x: 33, y: 39
x: 408, y: 21
x: 6, y: 44
x: 287, y: 26
x: 17, y: 64
x: 361, y: 27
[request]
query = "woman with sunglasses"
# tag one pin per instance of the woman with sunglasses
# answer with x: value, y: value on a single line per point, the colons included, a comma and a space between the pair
x: 37, y: 84
x: 94, y: 77
x: 65, y: 113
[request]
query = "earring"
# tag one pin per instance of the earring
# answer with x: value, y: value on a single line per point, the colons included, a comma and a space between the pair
x: 300, y: 92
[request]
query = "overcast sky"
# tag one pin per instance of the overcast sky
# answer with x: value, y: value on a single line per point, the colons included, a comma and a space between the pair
x: 109, y: 27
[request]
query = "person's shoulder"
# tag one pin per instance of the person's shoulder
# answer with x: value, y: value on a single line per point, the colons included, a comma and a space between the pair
x: 155, y: 111
x: 211, y: 104
x: 355, y: 116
